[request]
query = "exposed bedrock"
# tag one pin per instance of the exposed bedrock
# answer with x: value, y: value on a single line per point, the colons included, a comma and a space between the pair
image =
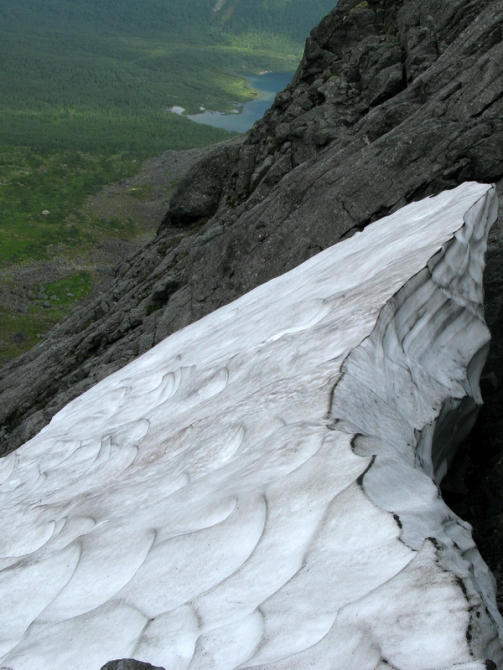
x: 393, y: 100
x: 267, y: 498
x: 129, y: 664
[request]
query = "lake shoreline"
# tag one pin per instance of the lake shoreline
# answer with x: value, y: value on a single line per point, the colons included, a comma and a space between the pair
x: 244, y: 115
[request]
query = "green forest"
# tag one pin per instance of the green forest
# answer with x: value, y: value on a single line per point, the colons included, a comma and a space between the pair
x: 85, y: 88
x: 99, y: 74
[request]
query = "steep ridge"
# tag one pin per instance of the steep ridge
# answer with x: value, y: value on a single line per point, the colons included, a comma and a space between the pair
x: 266, y: 497
x: 393, y: 100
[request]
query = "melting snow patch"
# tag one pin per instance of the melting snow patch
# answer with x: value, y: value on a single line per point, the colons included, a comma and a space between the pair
x: 260, y: 489
x: 175, y: 109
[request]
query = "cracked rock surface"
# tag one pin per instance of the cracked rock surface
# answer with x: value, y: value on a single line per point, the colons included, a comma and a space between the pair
x: 268, y: 497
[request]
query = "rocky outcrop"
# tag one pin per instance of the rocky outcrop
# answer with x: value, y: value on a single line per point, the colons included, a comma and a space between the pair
x: 199, y: 194
x: 129, y: 664
x: 260, y: 490
x: 393, y: 100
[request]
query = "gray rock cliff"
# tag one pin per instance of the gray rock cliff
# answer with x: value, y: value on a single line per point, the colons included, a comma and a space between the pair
x: 394, y: 100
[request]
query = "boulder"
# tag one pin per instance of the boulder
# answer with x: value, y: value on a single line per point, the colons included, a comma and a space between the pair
x: 129, y: 664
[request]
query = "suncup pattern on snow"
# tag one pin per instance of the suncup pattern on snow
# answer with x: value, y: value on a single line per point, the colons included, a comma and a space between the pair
x: 260, y: 489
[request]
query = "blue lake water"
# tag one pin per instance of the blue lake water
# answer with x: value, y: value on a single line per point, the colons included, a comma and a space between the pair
x: 267, y: 85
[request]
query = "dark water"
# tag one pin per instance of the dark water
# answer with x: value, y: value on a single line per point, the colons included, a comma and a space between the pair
x: 267, y: 85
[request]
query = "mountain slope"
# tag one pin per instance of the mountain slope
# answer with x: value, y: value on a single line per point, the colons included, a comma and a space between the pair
x: 394, y: 100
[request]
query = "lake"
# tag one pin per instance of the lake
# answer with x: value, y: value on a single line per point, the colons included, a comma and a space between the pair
x: 267, y: 85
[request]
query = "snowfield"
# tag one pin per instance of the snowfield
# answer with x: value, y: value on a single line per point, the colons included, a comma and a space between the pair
x: 260, y: 490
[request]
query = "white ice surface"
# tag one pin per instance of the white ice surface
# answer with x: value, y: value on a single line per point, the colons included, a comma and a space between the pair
x: 260, y: 489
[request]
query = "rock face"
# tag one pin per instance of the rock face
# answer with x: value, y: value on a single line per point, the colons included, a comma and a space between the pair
x: 266, y: 496
x: 129, y: 664
x: 394, y: 100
